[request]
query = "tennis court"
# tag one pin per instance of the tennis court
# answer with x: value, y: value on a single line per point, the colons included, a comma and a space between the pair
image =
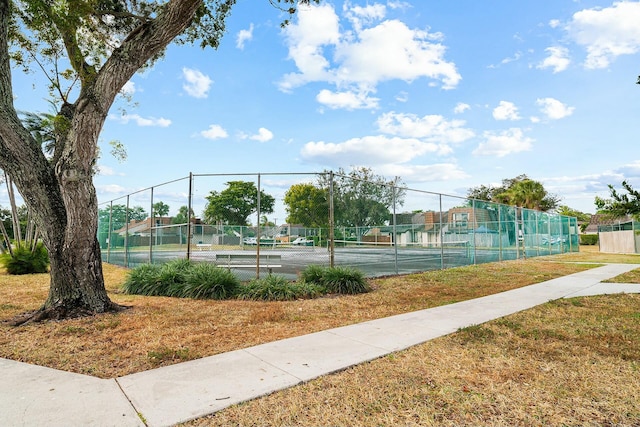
x: 387, y: 231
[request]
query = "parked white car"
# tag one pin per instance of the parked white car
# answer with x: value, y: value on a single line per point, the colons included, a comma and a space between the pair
x: 302, y: 241
x: 250, y: 241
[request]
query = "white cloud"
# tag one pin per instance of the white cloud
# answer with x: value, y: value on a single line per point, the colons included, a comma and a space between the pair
x: 368, y: 14
x: 368, y: 150
x: 516, y: 57
x: 315, y: 29
x: 107, y: 171
x: 370, y: 53
x: 347, y: 100
x: 263, y: 135
x: 390, y: 51
x: 424, y: 173
x: 214, y: 132
x: 403, y: 96
x: 141, y: 121
x: 128, y: 89
x: 558, y: 59
x: 554, y: 109
x: 506, y: 111
x: 434, y: 128
x: 629, y: 171
x: 196, y: 84
x: 110, y: 189
x: 607, y: 33
x: 244, y: 36
x: 503, y: 143
x: 461, y: 107
x: 403, y: 5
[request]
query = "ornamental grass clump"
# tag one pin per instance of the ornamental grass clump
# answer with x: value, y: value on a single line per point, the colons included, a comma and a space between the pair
x: 143, y: 280
x: 313, y: 274
x: 26, y: 258
x: 172, y: 276
x: 208, y: 281
x: 157, y: 280
x: 338, y: 280
x: 345, y: 280
x: 182, y: 279
x: 278, y: 288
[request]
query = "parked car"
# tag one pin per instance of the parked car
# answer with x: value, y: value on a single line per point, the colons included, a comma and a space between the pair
x: 250, y: 241
x: 302, y: 241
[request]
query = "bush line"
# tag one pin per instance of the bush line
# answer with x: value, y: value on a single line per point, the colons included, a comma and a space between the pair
x: 186, y: 279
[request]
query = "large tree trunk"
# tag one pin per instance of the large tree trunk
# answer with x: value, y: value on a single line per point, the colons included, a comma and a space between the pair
x: 69, y: 231
x: 77, y: 284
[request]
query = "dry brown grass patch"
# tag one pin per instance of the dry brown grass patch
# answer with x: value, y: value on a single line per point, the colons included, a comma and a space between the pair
x: 158, y: 331
x: 573, y: 362
x: 568, y: 362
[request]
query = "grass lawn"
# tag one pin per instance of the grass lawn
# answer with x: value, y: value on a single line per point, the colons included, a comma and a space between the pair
x: 567, y: 362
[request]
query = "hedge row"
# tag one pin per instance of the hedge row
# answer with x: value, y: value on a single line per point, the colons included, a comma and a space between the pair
x: 588, y: 239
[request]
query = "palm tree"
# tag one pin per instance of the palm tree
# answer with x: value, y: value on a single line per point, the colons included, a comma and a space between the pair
x: 529, y: 194
x: 41, y: 126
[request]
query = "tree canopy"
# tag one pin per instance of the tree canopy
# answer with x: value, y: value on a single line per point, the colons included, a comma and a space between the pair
x: 362, y: 198
x: 620, y: 204
x: 160, y: 209
x: 308, y: 205
x: 520, y: 191
x: 234, y: 204
x: 183, y: 215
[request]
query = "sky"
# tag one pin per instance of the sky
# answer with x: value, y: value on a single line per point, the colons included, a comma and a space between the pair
x: 447, y: 95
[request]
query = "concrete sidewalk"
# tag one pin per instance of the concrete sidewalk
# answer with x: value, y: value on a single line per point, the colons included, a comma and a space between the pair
x: 37, y: 396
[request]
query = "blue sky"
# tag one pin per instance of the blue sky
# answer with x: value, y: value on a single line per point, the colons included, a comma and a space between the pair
x: 447, y: 95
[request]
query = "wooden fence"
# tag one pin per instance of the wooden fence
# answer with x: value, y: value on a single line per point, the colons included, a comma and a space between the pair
x: 619, y: 242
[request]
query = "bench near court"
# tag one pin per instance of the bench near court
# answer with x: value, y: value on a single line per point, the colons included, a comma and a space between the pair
x: 268, y: 261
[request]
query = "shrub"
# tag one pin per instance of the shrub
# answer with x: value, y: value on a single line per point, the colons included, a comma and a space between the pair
x: 345, y: 280
x: 341, y: 280
x: 313, y: 274
x: 208, y: 281
x: 277, y: 288
x: 157, y: 280
x: 143, y: 280
x: 26, y: 260
x: 588, y: 239
x: 173, y: 275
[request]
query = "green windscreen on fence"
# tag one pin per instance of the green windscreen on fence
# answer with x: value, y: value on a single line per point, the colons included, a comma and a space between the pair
x: 282, y: 223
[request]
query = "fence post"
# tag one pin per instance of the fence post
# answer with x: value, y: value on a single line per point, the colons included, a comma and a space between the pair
x: 561, y: 244
x: 126, y: 235
x: 394, y: 240
x: 537, y: 216
x: 190, y: 203
x: 549, y: 233
x: 151, y: 229
x: 109, y: 232
x: 441, y: 236
x: 258, y: 228
x: 499, y: 232
x: 474, y: 225
x: 331, y: 223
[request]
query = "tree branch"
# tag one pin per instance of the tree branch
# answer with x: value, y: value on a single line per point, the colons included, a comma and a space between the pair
x: 144, y: 43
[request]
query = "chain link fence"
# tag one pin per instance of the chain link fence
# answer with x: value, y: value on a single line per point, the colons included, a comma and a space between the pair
x: 258, y: 224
